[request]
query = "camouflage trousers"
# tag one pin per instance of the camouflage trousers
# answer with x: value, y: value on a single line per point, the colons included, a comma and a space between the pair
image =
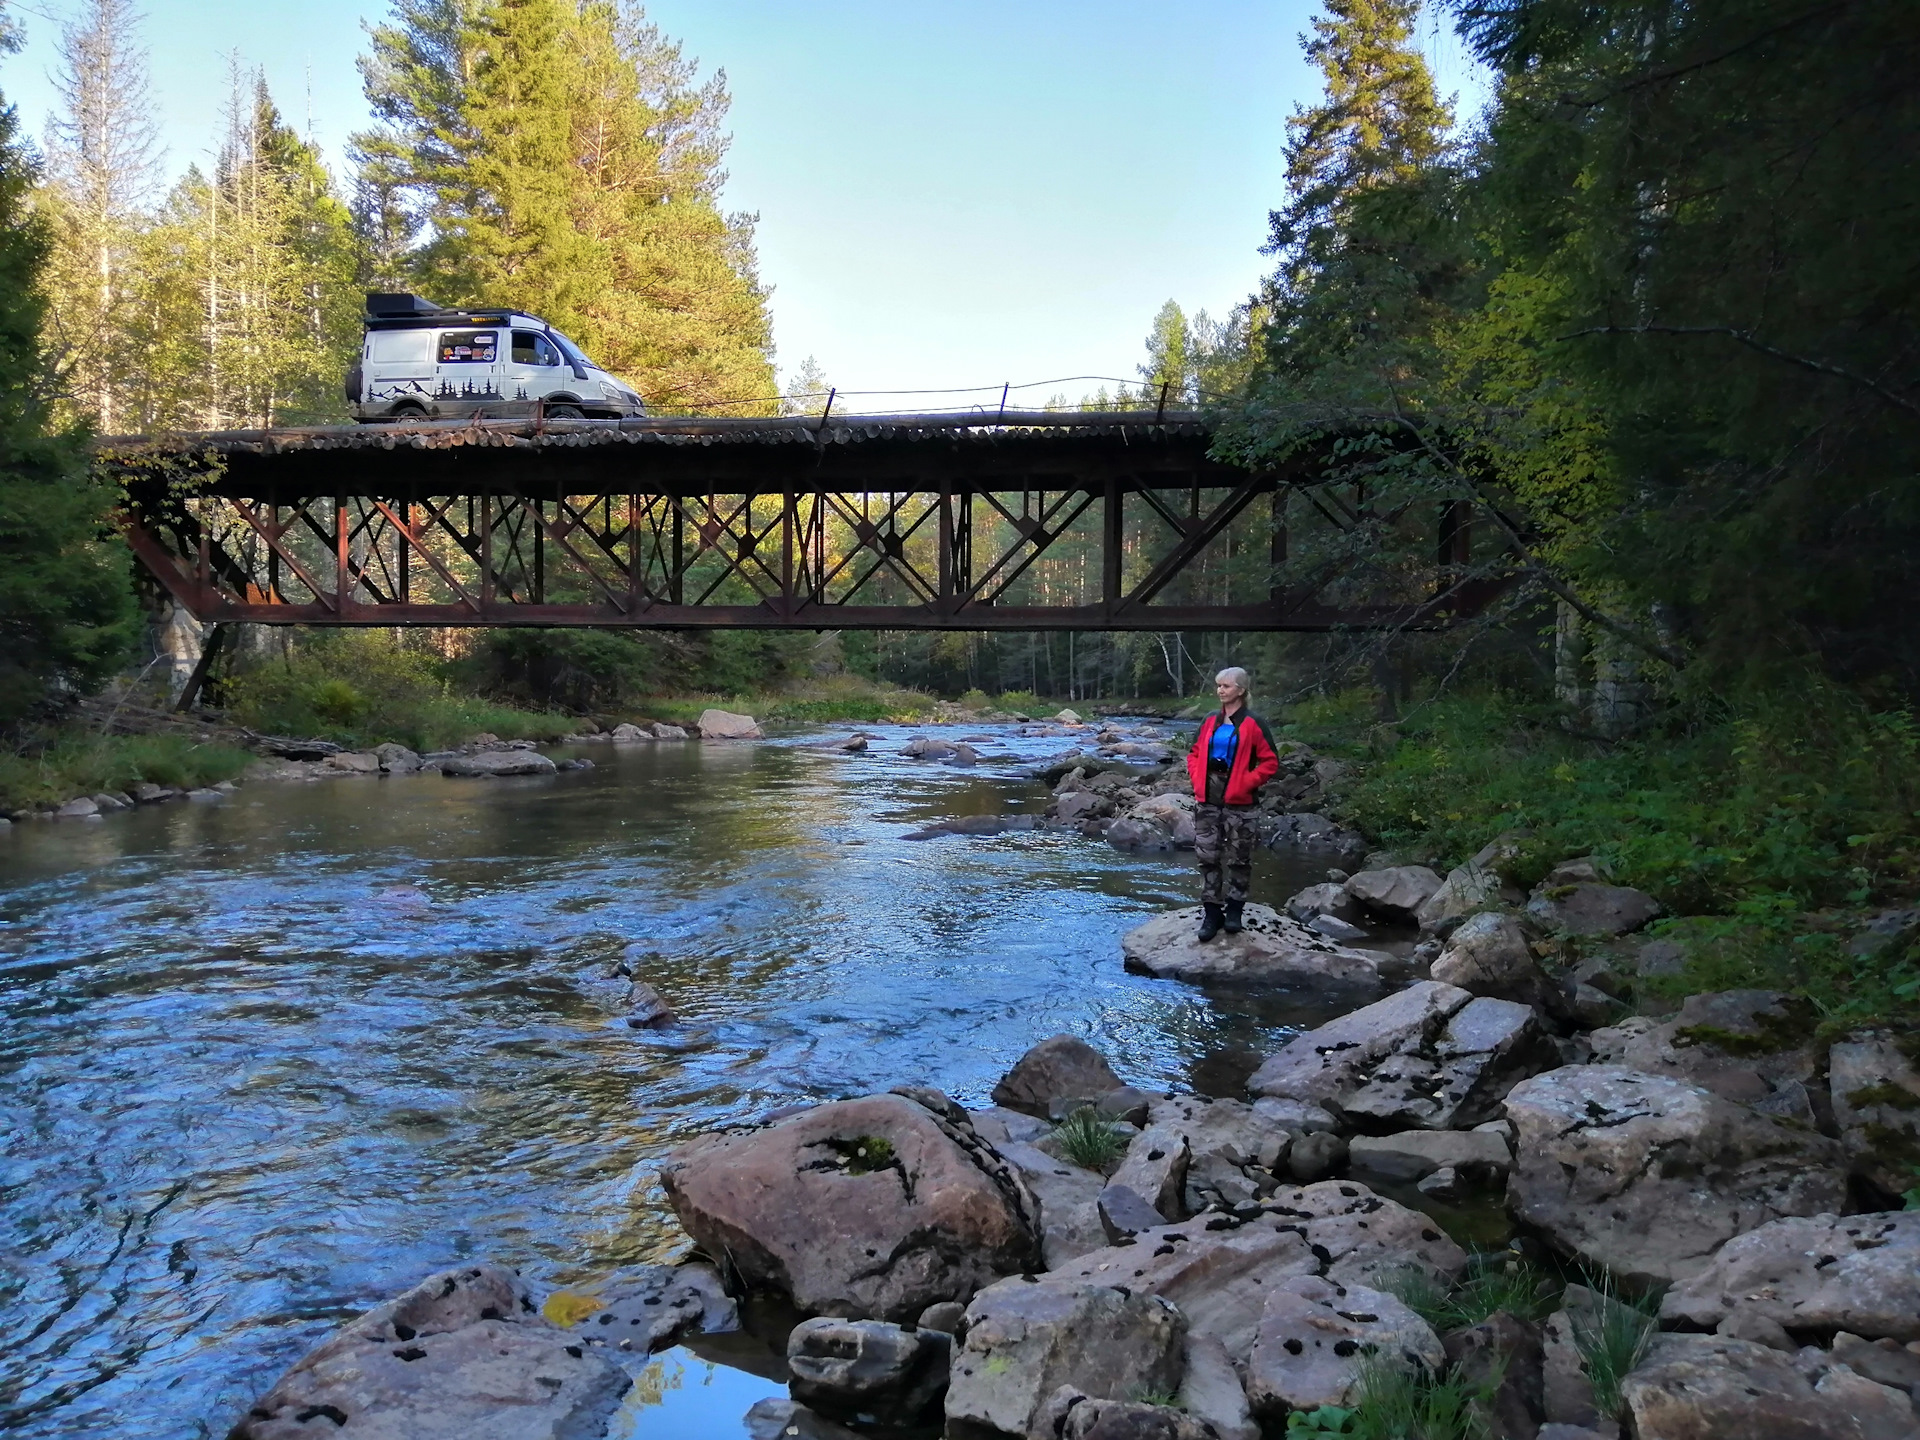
x: 1223, y: 837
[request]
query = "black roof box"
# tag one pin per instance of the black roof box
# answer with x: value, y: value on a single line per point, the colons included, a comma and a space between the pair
x: 391, y: 305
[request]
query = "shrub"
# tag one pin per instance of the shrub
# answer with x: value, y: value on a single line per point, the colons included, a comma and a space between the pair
x: 1088, y: 1138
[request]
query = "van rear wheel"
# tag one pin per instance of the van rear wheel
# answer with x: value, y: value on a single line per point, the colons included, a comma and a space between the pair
x: 407, y: 411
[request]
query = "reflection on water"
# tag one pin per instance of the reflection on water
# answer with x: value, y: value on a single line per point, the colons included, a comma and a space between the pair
x: 267, y: 1062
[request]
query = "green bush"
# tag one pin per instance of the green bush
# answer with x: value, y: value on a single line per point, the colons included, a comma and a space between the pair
x: 365, y: 687
x: 1088, y: 1138
x: 1025, y: 702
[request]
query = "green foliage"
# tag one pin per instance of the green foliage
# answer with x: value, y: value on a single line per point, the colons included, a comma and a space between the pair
x: 1322, y: 1420
x: 1493, y: 1281
x: 50, y: 766
x: 1911, y: 1197
x: 66, y: 606
x: 1611, y: 1346
x: 364, y: 687
x: 1396, y: 1401
x: 864, y: 1154
x: 1089, y: 1139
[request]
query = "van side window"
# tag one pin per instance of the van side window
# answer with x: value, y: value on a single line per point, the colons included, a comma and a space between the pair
x: 469, y: 347
x: 400, y: 347
x: 532, y: 348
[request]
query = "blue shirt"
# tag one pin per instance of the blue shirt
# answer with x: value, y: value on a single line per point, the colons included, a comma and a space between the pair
x: 1226, y: 734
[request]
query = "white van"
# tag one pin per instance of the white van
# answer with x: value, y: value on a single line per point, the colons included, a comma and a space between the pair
x: 419, y: 361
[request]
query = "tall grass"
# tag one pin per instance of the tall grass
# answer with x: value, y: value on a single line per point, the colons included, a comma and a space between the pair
x: 53, y: 768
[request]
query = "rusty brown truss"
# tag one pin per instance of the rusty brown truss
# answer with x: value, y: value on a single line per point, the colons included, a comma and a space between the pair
x: 898, y: 523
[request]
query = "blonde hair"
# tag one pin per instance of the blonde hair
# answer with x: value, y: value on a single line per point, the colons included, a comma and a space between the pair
x: 1234, y: 675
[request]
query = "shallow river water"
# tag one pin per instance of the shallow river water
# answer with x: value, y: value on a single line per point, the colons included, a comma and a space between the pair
x: 266, y: 1062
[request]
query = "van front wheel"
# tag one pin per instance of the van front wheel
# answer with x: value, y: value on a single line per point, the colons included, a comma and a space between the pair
x: 565, y: 412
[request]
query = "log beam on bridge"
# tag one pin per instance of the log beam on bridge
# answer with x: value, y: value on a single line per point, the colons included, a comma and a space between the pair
x: 900, y: 523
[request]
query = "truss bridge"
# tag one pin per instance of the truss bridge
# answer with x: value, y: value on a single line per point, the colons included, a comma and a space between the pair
x: 995, y: 521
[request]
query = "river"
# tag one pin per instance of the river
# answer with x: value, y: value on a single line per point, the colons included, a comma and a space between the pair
x: 266, y: 1062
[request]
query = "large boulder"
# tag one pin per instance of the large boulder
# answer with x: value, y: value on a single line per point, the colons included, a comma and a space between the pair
x: 495, y: 764
x: 1590, y: 908
x: 1490, y: 955
x: 1394, y: 894
x: 1072, y: 1414
x: 1024, y: 1340
x: 1813, y: 1276
x: 1326, y: 898
x: 1068, y: 1198
x: 1213, y: 1392
x: 1327, y: 1064
x: 867, y: 1370
x: 725, y: 725
x: 647, y: 1307
x: 1709, y: 1387
x: 1315, y: 1337
x: 1471, y: 888
x: 1063, y: 1066
x: 1749, y: 1046
x: 1647, y: 1176
x: 1429, y: 1057
x: 1412, y: 1155
x: 1219, y: 1269
x: 1273, y: 949
x: 1876, y: 1103
x: 464, y: 1355
x: 866, y: 1209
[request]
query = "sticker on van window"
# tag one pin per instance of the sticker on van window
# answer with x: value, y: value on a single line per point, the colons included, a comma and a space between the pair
x: 469, y: 347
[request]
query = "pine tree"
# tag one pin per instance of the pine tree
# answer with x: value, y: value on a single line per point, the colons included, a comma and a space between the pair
x: 104, y: 154
x: 566, y: 163
x: 1168, y: 372
x: 66, y: 605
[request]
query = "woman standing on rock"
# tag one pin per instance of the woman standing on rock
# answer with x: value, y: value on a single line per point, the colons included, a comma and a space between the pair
x: 1231, y: 758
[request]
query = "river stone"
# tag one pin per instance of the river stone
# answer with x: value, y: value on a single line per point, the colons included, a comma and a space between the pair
x: 1071, y: 1414
x: 464, y: 1355
x: 1460, y: 1078
x: 1326, y: 1065
x: 1708, y: 1387
x: 78, y: 809
x: 663, y: 731
x: 1123, y: 1213
x: 1272, y: 949
x: 1068, y: 1197
x: 1212, y: 1391
x: 1876, y: 1103
x: 649, y: 1307
x: 495, y: 763
x: 1315, y: 1336
x: 1063, y: 1065
x: 396, y: 759
x: 1647, y: 1176
x: 1317, y: 836
x: 1813, y: 1275
x: 1025, y: 1340
x: 1743, y: 1045
x: 1490, y: 955
x: 1232, y: 1129
x: 629, y: 733
x: 1326, y: 898
x: 1394, y: 894
x: 867, y: 1370
x: 1415, y: 1154
x: 796, y: 1210
x: 1590, y: 909
x: 354, y: 762
x: 1503, y: 1354
x: 1313, y: 1157
x: 1885, y: 1362
x: 725, y: 725
x: 1467, y: 890
x: 1155, y: 1169
x: 779, y: 1418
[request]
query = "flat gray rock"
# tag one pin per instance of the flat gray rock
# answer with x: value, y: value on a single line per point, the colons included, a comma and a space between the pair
x: 1326, y: 1065
x: 1272, y: 949
x: 496, y: 764
x: 1647, y: 1176
x: 1315, y: 1336
x: 1813, y: 1275
x: 464, y: 1355
x: 1708, y: 1387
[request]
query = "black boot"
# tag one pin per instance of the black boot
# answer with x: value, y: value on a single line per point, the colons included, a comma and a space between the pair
x: 1232, y: 926
x: 1209, y: 921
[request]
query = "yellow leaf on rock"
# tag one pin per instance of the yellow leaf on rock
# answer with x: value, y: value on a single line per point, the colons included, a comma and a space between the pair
x: 567, y: 1308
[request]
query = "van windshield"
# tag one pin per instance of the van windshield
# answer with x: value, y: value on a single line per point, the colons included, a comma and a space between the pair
x: 571, y: 350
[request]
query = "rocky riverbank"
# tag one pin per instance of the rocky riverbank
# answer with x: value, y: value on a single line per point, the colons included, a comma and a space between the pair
x: 1707, y: 1233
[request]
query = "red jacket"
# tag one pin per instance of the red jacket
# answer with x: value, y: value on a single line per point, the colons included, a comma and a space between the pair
x: 1255, y: 761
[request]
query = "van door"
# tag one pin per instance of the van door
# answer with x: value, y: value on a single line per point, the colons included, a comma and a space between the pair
x: 399, y: 371
x: 467, y: 372
x: 537, y: 372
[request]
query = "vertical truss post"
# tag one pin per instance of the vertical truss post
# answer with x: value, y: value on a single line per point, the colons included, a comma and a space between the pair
x: 342, y: 555
x: 1112, y: 542
x: 486, y: 551
x: 1277, y: 556
x: 948, y: 600
x: 789, y: 601
x: 676, y: 591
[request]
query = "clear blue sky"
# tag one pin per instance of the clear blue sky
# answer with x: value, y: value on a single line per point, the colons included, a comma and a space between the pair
x: 948, y: 194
